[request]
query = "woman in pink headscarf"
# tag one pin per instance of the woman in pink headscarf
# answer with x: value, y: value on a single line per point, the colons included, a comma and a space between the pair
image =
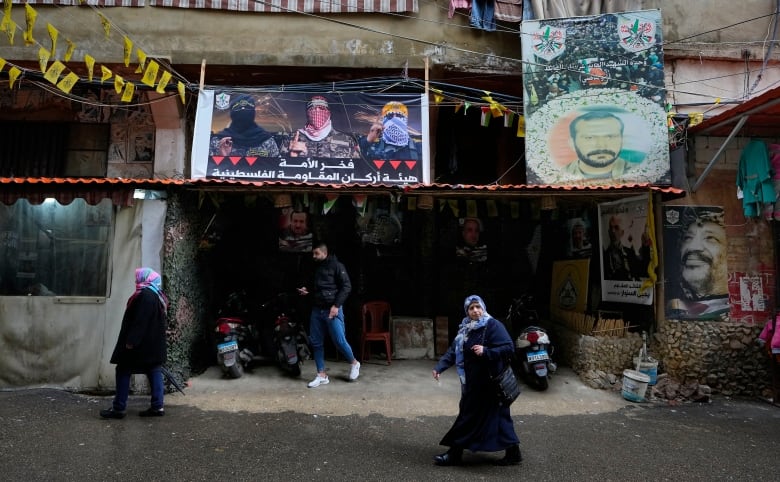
x: 141, y: 346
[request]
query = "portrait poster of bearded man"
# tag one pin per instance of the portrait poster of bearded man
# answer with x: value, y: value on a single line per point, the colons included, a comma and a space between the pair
x: 696, y: 263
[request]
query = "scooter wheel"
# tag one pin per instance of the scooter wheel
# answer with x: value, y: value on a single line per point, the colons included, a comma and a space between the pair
x: 542, y: 383
x: 295, y: 370
x: 235, y: 370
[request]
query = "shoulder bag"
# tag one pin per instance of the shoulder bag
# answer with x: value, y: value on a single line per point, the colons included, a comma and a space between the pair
x: 505, y: 383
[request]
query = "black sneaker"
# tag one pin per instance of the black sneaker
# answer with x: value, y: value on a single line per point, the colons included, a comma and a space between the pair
x: 111, y: 413
x: 152, y: 412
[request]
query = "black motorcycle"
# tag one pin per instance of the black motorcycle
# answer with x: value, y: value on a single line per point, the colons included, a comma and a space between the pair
x: 233, y: 336
x: 290, y: 345
x: 533, y: 350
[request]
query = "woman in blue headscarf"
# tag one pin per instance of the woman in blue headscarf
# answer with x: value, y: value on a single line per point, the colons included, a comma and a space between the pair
x: 480, y: 349
x: 141, y: 346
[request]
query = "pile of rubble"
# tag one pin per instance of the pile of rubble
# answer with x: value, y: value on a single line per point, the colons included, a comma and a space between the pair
x: 666, y: 388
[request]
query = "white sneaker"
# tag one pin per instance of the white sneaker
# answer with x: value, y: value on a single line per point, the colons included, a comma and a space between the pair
x: 354, y: 372
x: 319, y: 381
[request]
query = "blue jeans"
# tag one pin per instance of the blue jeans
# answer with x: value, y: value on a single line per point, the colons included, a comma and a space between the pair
x: 482, y: 12
x: 123, y: 374
x: 319, y: 324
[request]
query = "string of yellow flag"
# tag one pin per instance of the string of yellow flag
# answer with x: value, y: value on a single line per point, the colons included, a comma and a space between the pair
x: 54, y: 70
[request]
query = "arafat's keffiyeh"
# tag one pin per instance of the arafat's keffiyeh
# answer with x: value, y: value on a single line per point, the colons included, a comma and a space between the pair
x: 149, y: 278
x: 466, y: 326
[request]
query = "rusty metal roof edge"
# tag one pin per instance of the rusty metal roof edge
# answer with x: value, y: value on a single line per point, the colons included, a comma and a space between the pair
x: 435, y: 188
x: 755, y: 105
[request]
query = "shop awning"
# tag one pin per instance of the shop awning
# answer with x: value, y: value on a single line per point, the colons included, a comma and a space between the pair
x: 121, y: 191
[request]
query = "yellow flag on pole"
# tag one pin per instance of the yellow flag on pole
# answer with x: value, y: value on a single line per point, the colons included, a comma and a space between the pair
x: 53, y: 34
x: 90, y: 62
x: 150, y: 75
x: 106, y: 73
x: 128, y: 50
x: 141, y: 61
x: 43, y: 58
x: 119, y: 84
x: 127, y: 95
x: 54, y: 72
x: 181, y: 88
x: 67, y: 82
x: 30, y: 15
x: 164, y: 79
x: 106, y: 25
x: 69, y: 51
x: 2, y: 64
x: 7, y: 11
x: 11, y: 31
x: 13, y: 74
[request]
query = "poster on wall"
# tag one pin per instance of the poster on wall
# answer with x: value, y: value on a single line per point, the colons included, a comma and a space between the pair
x: 594, y: 100
x: 333, y: 138
x: 626, y: 249
x: 695, y: 257
x: 569, y: 287
x: 751, y: 296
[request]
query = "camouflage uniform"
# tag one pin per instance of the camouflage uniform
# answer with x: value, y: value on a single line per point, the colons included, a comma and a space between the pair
x: 335, y: 145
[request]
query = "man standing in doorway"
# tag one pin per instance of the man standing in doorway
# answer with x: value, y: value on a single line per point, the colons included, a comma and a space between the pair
x: 331, y: 288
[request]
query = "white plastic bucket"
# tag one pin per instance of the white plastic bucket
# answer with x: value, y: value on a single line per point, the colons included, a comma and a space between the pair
x: 634, y: 385
x: 648, y: 367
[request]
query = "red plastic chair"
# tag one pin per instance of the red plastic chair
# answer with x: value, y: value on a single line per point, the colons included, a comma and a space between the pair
x: 376, y: 327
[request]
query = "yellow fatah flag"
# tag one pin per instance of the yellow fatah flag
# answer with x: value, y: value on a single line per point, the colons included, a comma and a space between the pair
x: 43, y: 58
x: 13, y: 74
x: 128, y: 50
x: 458, y: 106
x: 437, y: 96
x: 30, y: 15
x: 471, y: 208
x: 11, y: 31
x: 150, y: 75
x: 106, y: 25
x: 164, y: 79
x: 90, y: 62
x: 521, y: 126
x: 67, y: 82
x: 7, y: 10
x: 653, y: 264
x: 181, y: 88
x: 5, y: 21
x: 69, y: 51
x: 106, y: 73
x: 453, y: 204
x: 127, y: 95
x: 53, y: 35
x: 119, y: 84
x: 141, y: 61
x: 54, y: 72
x: 2, y: 64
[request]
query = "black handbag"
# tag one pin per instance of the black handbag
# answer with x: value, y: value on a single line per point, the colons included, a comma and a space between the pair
x: 507, y: 387
x: 506, y: 384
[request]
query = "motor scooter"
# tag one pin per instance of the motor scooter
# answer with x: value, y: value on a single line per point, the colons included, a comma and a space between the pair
x: 232, y: 335
x: 533, y: 350
x: 289, y: 339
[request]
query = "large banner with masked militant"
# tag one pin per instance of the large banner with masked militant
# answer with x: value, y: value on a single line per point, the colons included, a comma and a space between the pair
x: 594, y: 100
x: 332, y: 138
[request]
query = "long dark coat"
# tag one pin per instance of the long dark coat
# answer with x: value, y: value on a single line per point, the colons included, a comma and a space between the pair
x: 143, y: 327
x: 482, y: 424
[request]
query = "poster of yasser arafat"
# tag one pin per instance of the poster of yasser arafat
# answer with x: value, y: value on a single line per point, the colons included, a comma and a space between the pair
x: 332, y: 138
x: 594, y: 100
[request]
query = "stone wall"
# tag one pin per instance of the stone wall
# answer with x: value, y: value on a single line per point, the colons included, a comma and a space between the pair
x: 598, y: 360
x: 724, y: 356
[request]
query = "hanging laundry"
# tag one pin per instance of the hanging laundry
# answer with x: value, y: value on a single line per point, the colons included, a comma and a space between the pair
x: 774, y: 156
x: 509, y: 10
x: 754, y: 178
x: 458, y: 4
x: 482, y: 15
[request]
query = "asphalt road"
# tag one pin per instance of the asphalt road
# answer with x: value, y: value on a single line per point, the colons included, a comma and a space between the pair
x: 48, y: 434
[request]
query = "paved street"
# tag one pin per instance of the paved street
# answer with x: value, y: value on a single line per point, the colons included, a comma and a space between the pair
x: 269, y: 427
